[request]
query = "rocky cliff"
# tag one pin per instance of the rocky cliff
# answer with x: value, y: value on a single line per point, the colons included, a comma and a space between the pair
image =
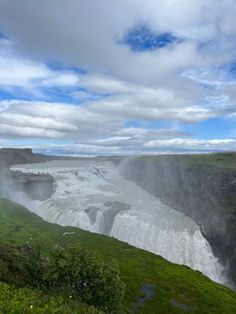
x: 203, y: 187
x: 13, y: 156
x: 39, y: 187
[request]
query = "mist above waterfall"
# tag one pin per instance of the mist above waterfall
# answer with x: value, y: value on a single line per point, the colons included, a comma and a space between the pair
x: 92, y: 195
x: 8, y: 189
x: 24, y: 188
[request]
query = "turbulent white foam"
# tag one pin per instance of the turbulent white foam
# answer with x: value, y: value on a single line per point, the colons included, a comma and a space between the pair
x: 91, y: 195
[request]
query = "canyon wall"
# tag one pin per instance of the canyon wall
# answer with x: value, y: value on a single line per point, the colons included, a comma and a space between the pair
x: 16, y: 184
x: 202, y: 187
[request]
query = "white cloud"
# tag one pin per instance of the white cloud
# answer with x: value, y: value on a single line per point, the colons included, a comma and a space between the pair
x: 84, y: 125
x: 86, y: 33
x: 193, y: 144
x: 166, y: 84
x: 162, y: 147
x: 62, y: 120
x: 17, y: 71
x: 213, y: 77
x: 147, y: 107
x: 101, y: 125
x: 104, y: 84
x: 30, y: 132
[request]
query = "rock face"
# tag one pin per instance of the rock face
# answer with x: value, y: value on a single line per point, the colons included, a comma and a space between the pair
x: 11, y: 156
x: 38, y: 187
x: 198, y: 187
x: 113, y: 208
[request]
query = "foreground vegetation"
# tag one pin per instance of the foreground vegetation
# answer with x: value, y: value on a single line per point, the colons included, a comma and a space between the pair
x: 25, y: 300
x: 46, y: 268
x: 74, y: 273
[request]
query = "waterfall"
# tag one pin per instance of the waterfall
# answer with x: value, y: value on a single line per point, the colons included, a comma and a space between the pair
x: 92, y: 195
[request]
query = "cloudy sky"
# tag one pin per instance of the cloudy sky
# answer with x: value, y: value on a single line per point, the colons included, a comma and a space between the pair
x: 86, y: 77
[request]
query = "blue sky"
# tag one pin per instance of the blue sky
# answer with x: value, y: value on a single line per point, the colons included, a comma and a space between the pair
x: 101, y: 79
x: 142, y: 38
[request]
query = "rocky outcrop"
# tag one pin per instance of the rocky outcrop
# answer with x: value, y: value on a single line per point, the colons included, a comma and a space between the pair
x: 36, y: 186
x: 200, y: 188
x: 11, y: 156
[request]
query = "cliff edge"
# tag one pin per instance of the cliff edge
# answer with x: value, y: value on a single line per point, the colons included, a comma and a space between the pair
x: 36, y: 186
x: 201, y: 186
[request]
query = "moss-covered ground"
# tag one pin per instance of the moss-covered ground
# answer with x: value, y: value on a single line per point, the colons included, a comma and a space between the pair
x: 176, y: 289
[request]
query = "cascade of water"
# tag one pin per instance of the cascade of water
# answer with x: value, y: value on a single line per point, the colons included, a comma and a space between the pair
x: 93, y: 196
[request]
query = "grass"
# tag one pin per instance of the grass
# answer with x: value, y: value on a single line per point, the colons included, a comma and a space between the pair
x: 214, y: 161
x: 178, y: 289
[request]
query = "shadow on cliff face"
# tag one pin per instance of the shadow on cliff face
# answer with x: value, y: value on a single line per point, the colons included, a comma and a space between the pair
x: 7, y: 188
x: 20, y: 187
x: 24, y: 189
x: 202, y: 186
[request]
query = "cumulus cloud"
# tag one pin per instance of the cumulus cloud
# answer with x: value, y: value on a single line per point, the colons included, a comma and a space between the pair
x: 17, y: 71
x: 163, y: 147
x: 160, y: 147
x: 94, y: 132
x: 68, y: 120
x: 183, y: 83
x: 53, y: 119
x: 193, y: 145
x: 88, y: 33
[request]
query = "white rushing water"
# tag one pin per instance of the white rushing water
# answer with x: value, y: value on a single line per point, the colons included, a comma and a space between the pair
x: 91, y: 195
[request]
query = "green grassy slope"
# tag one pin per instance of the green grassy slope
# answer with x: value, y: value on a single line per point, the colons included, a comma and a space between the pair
x: 215, y: 161
x: 177, y: 289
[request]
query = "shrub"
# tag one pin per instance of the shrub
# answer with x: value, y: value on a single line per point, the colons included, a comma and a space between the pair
x: 30, y: 265
x: 74, y: 271
x: 79, y: 272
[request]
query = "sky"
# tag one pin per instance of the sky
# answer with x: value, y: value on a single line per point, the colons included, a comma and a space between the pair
x: 118, y: 77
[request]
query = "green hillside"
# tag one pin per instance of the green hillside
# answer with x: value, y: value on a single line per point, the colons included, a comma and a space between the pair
x: 216, y: 162
x: 153, y: 285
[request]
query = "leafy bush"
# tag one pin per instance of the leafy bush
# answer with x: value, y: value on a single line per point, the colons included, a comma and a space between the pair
x: 30, y: 264
x: 76, y: 272
x: 21, y: 300
x: 79, y: 272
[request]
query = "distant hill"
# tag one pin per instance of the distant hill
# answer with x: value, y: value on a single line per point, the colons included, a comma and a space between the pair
x: 11, y: 156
